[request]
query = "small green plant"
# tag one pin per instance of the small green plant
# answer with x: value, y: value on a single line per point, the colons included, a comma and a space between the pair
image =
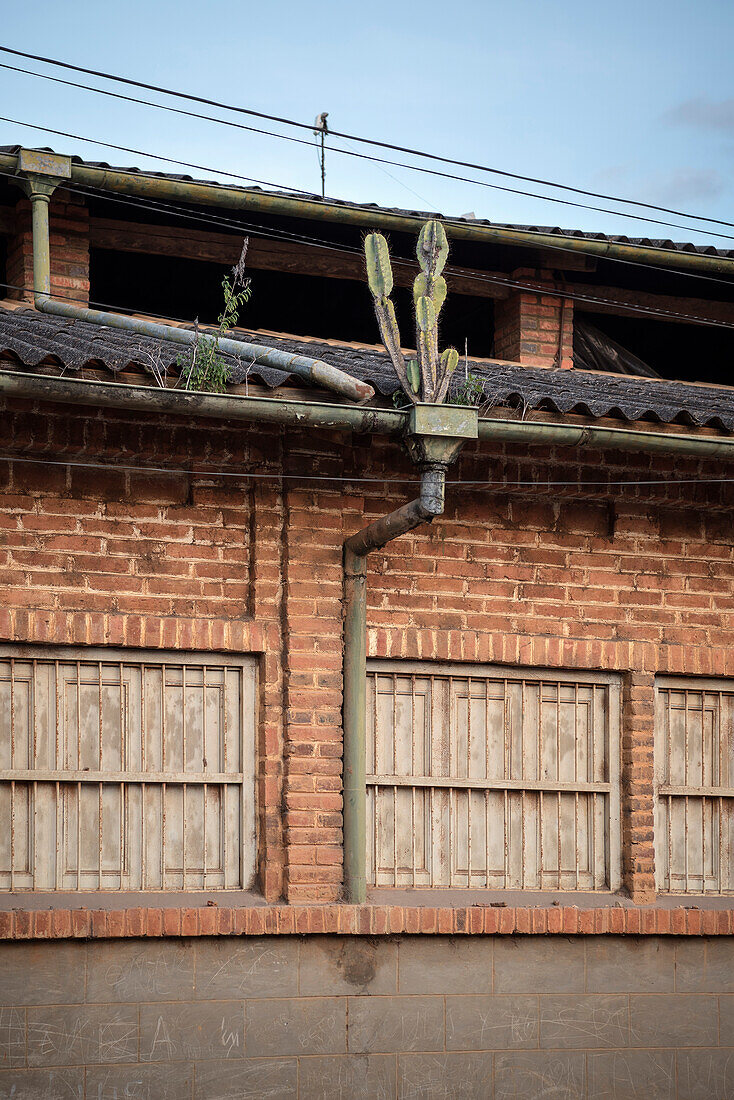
x: 426, y: 378
x: 202, y: 367
x: 470, y: 392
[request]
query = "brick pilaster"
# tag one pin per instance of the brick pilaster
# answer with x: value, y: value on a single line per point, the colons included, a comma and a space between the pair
x: 69, y: 240
x: 528, y: 325
x: 638, y: 820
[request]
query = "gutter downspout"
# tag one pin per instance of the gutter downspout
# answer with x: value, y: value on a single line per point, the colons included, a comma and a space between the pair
x: 42, y: 176
x: 436, y: 435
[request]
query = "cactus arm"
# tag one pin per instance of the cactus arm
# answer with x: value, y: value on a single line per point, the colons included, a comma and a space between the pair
x: 427, y: 341
x: 430, y: 287
x: 433, y: 248
x: 385, y: 313
x: 449, y: 363
x: 379, y: 268
x: 438, y: 293
x: 380, y: 279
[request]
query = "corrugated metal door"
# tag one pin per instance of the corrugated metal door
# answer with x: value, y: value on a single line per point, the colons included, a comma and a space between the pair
x: 694, y: 772
x: 125, y: 771
x: 482, y: 777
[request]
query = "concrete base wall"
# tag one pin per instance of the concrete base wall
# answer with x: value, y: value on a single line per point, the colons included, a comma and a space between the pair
x: 322, y: 1017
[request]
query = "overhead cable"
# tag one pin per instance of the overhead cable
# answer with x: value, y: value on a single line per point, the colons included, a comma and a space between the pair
x: 352, y: 137
x: 378, y: 160
x: 533, y: 288
x: 276, y: 475
x: 304, y: 196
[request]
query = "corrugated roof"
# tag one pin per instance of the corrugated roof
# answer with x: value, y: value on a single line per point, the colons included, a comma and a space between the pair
x: 557, y: 231
x: 35, y: 339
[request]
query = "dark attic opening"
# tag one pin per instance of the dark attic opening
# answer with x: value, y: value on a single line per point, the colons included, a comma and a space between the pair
x: 281, y: 302
x: 647, y: 347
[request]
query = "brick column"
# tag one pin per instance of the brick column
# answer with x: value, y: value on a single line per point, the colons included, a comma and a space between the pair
x: 69, y: 239
x: 638, y: 819
x: 528, y: 326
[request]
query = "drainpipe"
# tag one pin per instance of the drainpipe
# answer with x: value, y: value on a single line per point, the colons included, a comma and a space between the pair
x: 435, y: 436
x: 43, y: 172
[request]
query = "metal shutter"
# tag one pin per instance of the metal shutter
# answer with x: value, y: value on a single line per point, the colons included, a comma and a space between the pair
x: 125, y: 771
x: 492, y: 778
x: 694, y: 773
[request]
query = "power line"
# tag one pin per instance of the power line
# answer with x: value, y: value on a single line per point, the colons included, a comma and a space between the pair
x: 469, y: 275
x: 165, y: 206
x: 364, y: 156
x: 341, y: 479
x: 307, y: 196
x: 536, y: 288
x: 533, y: 288
x: 355, y: 137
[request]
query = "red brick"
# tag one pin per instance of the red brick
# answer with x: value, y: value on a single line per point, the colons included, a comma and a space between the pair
x: 555, y: 919
x: 172, y: 922
x: 678, y: 921
x: 189, y: 922
x: 491, y: 920
x: 507, y: 920
x: 154, y: 922
x: 81, y: 924
x: 62, y: 923
x: 42, y: 924
x: 22, y: 925
x: 570, y: 919
x: 207, y: 921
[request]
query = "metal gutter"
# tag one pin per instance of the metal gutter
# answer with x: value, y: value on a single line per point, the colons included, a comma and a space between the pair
x: 435, y: 436
x: 321, y: 414
x: 234, y: 198
x: 239, y: 198
x: 151, y: 399
x: 423, y: 509
x: 534, y: 432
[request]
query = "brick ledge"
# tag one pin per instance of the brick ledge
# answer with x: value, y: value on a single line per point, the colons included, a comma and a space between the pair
x: 370, y: 920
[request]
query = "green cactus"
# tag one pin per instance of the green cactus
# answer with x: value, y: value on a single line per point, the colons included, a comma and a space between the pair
x: 425, y: 314
x: 433, y: 248
x: 427, y: 339
x: 449, y: 363
x: 379, y: 269
x: 380, y: 279
x: 436, y: 292
x: 428, y: 377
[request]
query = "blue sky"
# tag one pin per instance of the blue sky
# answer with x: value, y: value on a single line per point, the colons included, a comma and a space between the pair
x: 633, y: 99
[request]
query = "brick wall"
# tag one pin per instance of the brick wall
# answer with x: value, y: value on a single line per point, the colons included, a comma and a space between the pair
x: 69, y: 241
x: 636, y: 580
x: 325, y: 1018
